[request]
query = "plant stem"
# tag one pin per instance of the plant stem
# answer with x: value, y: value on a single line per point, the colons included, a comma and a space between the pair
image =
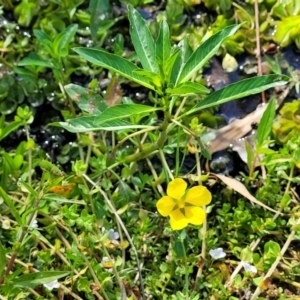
x: 124, y: 229
x: 165, y: 164
x: 255, y: 244
x: 132, y: 135
x: 276, y: 262
x: 89, y: 266
x: 6, y: 63
x: 186, y: 276
x: 29, y: 156
x: 204, y: 226
x: 81, y: 154
x: 20, y: 240
x: 156, y: 146
x: 258, y: 52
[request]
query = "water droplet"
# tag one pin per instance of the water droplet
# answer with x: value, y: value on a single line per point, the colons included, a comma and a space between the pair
x: 25, y: 33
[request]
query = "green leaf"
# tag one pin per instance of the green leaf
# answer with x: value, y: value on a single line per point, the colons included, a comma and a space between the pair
x: 34, y: 279
x: 240, y: 89
x: 41, y: 35
x: 122, y: 111
x: 108, y: 120
x: 185, y: 53
x: 93, y: 104
x: 153, y: 78
x: 142, y: 40
x: 250, y: 154
x: 11, y: 206
x: 29, y: 189
x: 271, y: 249
x: 204, y: 52
x: 163, y: 44
x: 62, y: 41
x: 61, y: 199
x: 34, y: 60
x: 265, y: 125
x: 114, y: 63
x: 2, y: 260
x: 188, y: 88
x: 6, y: 130
x: 98, y: 9
x: 85, y: 124
x: 168, y: 67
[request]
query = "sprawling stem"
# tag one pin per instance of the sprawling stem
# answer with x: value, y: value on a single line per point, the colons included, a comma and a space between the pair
x: 186, y: 275
x: 153, y: 147
x: 20, y: 240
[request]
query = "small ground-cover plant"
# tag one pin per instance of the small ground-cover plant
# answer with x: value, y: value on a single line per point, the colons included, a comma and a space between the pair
x: 106, y: 238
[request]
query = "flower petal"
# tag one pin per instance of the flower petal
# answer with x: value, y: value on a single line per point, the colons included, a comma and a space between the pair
x: 194, y: 215
x: 165, y: 205
x: 176, y: 188
x: 198, y: 196
x: 178, y: 220
x: 248, y: 267
x: 217, y: 253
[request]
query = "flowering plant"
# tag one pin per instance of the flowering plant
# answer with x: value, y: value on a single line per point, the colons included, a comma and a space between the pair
x: 184, y: 206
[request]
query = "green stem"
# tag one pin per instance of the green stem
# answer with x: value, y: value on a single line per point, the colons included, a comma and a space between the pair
x: 19, y: 242
x: 186, y: 269
x: 204, y: 226
x: 111, y: 206
x: 6, y: 63
x: 29, y: 156
x: 89, y: 266
x: 72, y: 109
x: 153, y: 147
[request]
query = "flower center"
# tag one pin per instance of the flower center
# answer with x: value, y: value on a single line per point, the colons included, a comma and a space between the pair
x: 181, y: 204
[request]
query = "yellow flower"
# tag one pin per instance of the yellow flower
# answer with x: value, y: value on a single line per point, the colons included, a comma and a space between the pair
x: 183, y: 206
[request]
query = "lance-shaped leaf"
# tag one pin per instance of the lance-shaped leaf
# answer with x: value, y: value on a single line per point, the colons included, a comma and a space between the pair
x: 123, y: 111
x: 62, y: 40
x: 163, y: 44
x: 153, y: 78
x: 114, y: 63
x: 187, y: 88
x: 86, y: 124
x: 6, y: 130
x: 185, y: 52
x: 265, y: 125
x: 240, y: 89
x: 34, y: 279
x: 168, y: 67
x: 98, y: 10
x: 93, y: 104
x: 204, y: 52
x: 34, y: 60
x: 2, y: 259
x: 11, y: 206
x: 109, y: 120
x: 142, y: 40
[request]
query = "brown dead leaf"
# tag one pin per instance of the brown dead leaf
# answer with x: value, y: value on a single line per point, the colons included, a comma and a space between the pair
x: 63, y: 190
x: 235, y: 130
x: 113, y: 94
x: 240, y: 127
x: 241, y: 189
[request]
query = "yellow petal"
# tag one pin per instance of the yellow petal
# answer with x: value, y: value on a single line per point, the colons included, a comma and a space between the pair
x: 176, y: 188
x: 165, y: 205
x: 198, y: 196
x: 194, y: 215
x: 178, y: 220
